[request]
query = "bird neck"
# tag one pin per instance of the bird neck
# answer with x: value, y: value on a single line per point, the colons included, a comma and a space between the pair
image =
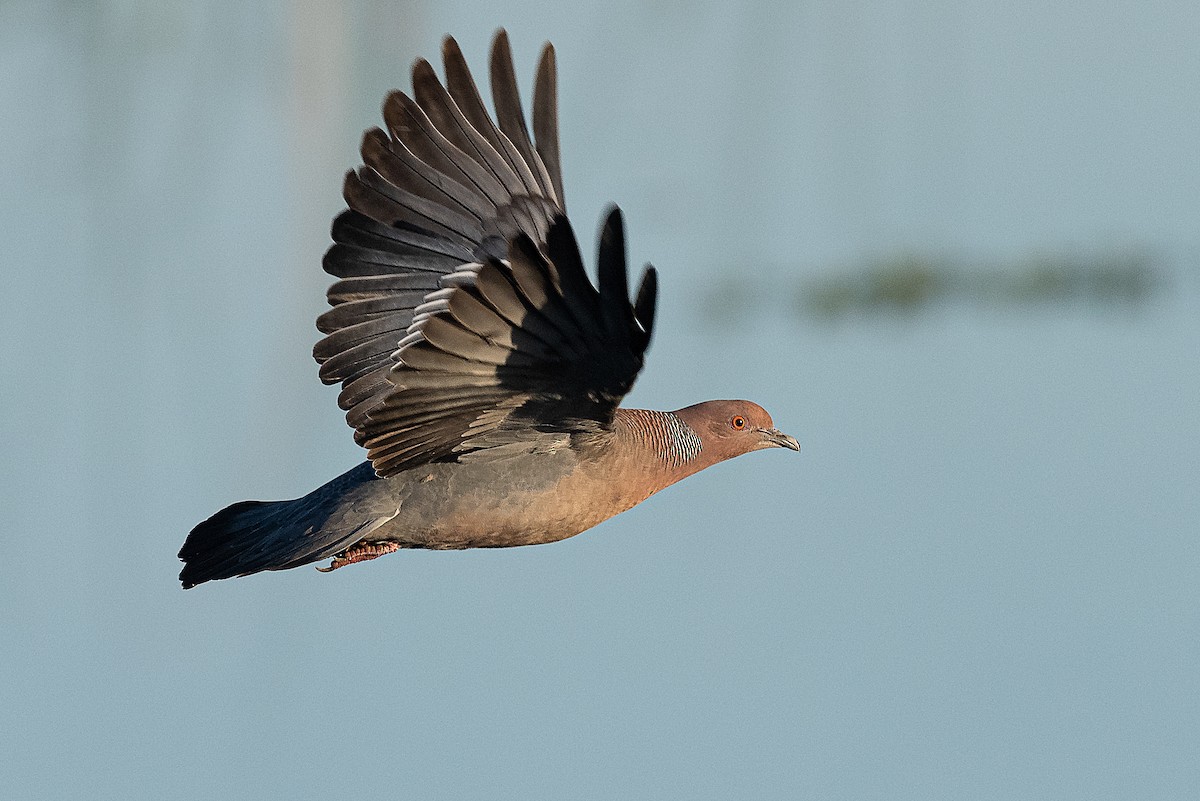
x: 660, y: 445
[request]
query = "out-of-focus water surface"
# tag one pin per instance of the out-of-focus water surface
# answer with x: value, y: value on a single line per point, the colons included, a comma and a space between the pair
x: 953, y: 249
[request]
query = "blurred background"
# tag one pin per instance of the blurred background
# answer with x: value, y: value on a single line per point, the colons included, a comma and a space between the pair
x: 952, y: 247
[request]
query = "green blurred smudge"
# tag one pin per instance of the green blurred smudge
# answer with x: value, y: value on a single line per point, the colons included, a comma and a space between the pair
x: 909, y: 284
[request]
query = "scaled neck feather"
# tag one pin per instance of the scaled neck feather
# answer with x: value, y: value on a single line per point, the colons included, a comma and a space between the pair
x: 661, y: 445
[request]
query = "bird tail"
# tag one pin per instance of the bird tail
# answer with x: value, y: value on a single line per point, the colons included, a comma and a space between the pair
x: 238, y: 540
x: 231, y: 542
x: 252, y: 536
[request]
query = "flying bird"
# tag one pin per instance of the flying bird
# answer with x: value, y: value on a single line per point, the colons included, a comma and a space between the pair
x: 480, y: 367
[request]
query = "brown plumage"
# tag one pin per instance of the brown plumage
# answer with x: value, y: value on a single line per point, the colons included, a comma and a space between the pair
x: 480, y: 367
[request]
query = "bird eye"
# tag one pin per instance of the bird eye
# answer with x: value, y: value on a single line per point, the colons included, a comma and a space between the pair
x: 738, y: 423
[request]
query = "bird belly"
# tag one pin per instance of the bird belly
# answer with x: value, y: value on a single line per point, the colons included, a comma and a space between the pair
x: 520, y: 501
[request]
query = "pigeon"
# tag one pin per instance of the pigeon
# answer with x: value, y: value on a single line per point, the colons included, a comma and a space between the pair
x: 480, y: 366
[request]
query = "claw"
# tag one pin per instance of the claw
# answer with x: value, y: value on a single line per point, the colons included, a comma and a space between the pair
x: 360, y: 552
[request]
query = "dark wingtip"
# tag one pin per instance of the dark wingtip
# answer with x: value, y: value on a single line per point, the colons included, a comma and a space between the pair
x: 613, y: 218
x: 614, y: 284
x: 500, y: 55
x: 423, y: 75
x: 613, y: 256
x: 545, y: 118
x: 348, y: 185
x: 647, y: 301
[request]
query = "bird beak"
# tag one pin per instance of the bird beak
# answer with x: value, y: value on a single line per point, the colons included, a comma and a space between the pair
x: 774, y: 438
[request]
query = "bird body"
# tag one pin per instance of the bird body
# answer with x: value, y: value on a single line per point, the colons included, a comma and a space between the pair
x: 480, y: 366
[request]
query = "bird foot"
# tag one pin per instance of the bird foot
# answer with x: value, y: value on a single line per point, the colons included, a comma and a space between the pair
x: 361, y: 552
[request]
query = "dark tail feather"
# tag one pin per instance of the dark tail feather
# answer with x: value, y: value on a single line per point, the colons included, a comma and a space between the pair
x: 238, y: 540
x: 252, y: 536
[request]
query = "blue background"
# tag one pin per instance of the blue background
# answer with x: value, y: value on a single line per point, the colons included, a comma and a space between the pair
x: 978, y: 580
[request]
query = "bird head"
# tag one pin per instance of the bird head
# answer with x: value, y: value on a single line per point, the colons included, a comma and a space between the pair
x: 729, y: 428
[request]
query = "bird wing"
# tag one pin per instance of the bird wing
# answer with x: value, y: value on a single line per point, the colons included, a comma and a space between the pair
x: 464, y: 324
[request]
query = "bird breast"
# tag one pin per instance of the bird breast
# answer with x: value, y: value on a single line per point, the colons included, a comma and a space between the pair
x: 538, y: 497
